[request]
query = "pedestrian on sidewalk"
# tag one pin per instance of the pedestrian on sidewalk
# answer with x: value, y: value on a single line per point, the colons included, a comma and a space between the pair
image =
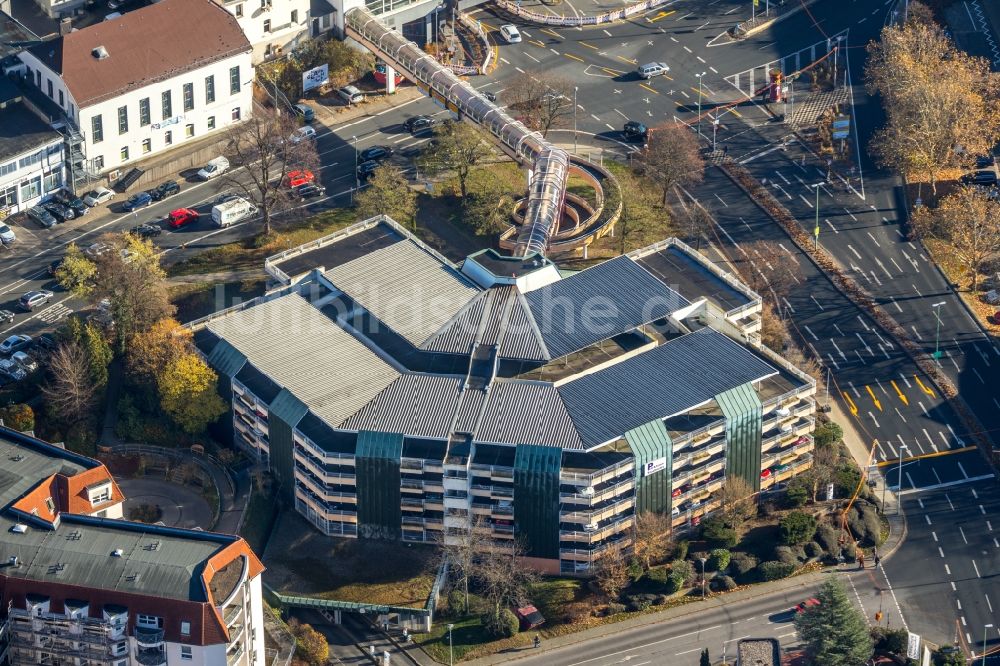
x: 725, y: 150
x: 877, y: 560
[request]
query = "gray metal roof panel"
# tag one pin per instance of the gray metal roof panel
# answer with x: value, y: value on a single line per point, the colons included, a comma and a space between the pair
x: 661, y: 382
x: 598, y: 303
x: 416, y: 404
x: 526, y: 412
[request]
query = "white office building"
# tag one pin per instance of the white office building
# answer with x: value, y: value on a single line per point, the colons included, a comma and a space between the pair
x: 271, y: 26
x: 147, y: 82
x: 31, y: 154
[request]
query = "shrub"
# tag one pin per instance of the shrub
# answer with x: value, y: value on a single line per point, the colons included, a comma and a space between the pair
x: 724, y: 583
x: 813, y: 549
x: 846, y: 480
x: 456, y: 602
x: 796, y: 496
x: 742, y: 563
x: 828, y: 434
x: 797, y: 528
x: 785, y: 555
x: 82, y: 438
x: 615, y: 609
x: 501, y: 625
x: 681, y: 549
x: 674, y: 583
x: 772, y: 570
x: 888, y: 640
x: 660, y: 599
x: 637, y: 606
x: 826, y: 535
x: 635, y: 570
x: 718, y: 559
x: 684, y: 569
x: 20, y: 417
x: 865, y: 524
x: 718, y: 535
x: 658, y: 575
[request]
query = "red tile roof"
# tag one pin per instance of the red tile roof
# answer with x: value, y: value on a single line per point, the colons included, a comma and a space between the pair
x: 144, y: 46
x: 68, y: 494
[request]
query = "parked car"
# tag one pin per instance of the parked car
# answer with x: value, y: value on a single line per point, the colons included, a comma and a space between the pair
x: 350, y: 94
x: 676, y: 492
x: 415, y: 124
x: 367, y: 169
x: 488, y: 95
x: 766, y: 474
x: 7, y: 235
x: 42, y: 216
x: 15, y: 343
x: 299, y: 177
x: 302, y: 134
x: 994, y: 318
x: 164, y: 190
x: 54, y: 266
x: 310, y: 191
x: 137, y: 201
x: 33, y: 299
x: 510, y: 33
x: 305, y: 111
x: 182, y: 217
x: 46, y: 341
x: 215, y: 167
x: 59, y: 211
x: 94, y: 250
x: 10, y: 368
x: 808, y: 603
x: 984, y: 161
x: 375, y: 153
x: 635, y: 131
x: 651, y: 69
x: 6, y: 316
x: 98, y: 196
x: 146, y: 230
x: 22, y: 359
x: 76, y: 204
x: 987, y: 176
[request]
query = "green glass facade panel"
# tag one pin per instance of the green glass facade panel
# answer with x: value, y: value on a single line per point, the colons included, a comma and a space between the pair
x: 536, y: 498
x: 653, y: 451
x: 376, y: 462
x: 744, y: 426
x: 284, y: 413
x: 226, y: 359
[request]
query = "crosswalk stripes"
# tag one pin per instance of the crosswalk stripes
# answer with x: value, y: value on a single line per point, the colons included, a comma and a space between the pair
x: 54, y: 313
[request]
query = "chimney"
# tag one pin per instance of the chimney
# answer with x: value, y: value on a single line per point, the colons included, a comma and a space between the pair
x: 65, y: 26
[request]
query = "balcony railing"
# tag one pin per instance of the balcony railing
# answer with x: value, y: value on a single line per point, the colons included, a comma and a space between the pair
x: 148, y: 637
x: 588, y: 478
x: 151, y: 657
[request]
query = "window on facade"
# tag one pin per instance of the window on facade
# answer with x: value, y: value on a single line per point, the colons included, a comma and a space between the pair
x: 211, y: 122
x: 295, y: 16
x: 31, y: 189
x: 149, y: 621
x: 97, y: 129
x: 188, y: 96
x: 99, y: 162
x: 263, y: 4
x: 53, y: 180
x: 38, y: 78
x: 62, y: 99
x: 124, y: 154
x: 239, y: 11
x: 267, y: 25
x: 236, y: 114
x: 189, y: 130
x: 49, y: 86
x: 8, y: 195
x: 168, y: 137
x: 234, y: 80
x: 34, y: 158
x: 147, y: 146
x: 10, y: 167
x: 210, y: 88
x: 144, y: 115
x: 168, y: 109
x: 186, y: 652
x: 122, y: 119
x: 185, y: 628
x: 50, y: 505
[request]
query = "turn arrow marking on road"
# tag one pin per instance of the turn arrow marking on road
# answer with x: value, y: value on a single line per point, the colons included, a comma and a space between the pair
x: 874, y: 399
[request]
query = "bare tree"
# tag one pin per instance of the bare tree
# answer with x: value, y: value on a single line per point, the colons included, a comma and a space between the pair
x: 612, y: 573
x: 268, y: 148
x: 671, y: 158
x: 824, y: 467
x: 651, y: 541
x: 765, y: 269
x: 737, y: 501
x: 542, y: 101
x: 69, y: 393
x: 462, y: 551
x: 502, y: 575
x: 969, y: 222
x: 696, y: 222
x: 458, y: 149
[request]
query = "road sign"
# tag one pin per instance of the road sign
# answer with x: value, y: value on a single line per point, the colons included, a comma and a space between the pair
x: 913, y: 645
x: 841, y: 134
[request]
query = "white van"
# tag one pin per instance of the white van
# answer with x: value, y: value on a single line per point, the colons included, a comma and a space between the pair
x: 652, y: 69
x: 215, y: 167
x: 112, y: 16
x: 232, y: 211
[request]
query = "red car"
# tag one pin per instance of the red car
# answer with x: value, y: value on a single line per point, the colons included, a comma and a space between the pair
x: 296, y: 178
x: 676, y: 492
x: 182, y: 217
x: 808, y: 603
x: 766, y: 474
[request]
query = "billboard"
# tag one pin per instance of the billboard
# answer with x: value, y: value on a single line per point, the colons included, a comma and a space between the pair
x: 654, y: 466
x: 315, y: 77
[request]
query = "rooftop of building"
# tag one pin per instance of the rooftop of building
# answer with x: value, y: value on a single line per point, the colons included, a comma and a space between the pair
x: 142, y: 47
x: 758, y: 652
x: 401, y: 340
x: 21, y: 131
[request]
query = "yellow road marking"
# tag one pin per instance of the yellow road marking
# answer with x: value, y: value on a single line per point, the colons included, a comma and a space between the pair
x: 926, y: 390
x: 874, y: 399
x: 551, y: 32
x: 936, y: 454
x: 901, y: 395
x: 661, y: 15
x: 631, y: 62
x: 589, y: 46
x: 648, y: 88
x: 536, y: 43
x: 612, y: 71
x: 570, y: 55
x: 737, y: 113
x: 850, y: 403
x: 488, y: 27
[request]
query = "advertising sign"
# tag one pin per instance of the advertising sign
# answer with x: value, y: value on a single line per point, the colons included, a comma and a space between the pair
x: 654, y: 466
x: 315, y: 77
x: 913, y: 646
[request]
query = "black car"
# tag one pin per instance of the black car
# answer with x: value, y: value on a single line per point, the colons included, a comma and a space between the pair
x: 375, y: 153
x: 635, y: 131
x: 310, y: 191
x: 54, y: 266
x: 146, y: 230
x: 45, y: 341
x: 416, y: 124
x: 488, y: 95
x: 42, y: 216
x: 987, y: 176
x: 73, y: 203
x: 164, y: 190
x: 985, y: 161
x: 367, y: 169
x: 59, y: 211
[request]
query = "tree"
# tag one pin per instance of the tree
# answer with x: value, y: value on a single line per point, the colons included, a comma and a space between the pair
x: 541, y: 100
x: 462, y: 550
x: 388, y: 193
x: 834, y: 631
x: 796, y: 528
x: 262, y: 145
x: 459, y: 147
x: 765, y: 269
x: 824, y: 467
x: 20, y: 417
x: 95, y: 347
x: 188, y: 393
x: 969, y: 221
x: 310, y: 645
x: 672, y: 158
x: 153, y: 350
x: 70, y: 392
x: 717, y: 533
x: 651, y: 537
x: 940, y: 103
x: 949, y: 655
x: 502, y: 576
x: 489, y: 207
x: 737, y: 501
x: 612, y: 575
x: 76, y: 273
x: 705, y: 659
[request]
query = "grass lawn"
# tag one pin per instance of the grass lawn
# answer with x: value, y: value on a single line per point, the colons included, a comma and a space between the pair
x: 262, y: 511
x: 305, y: 562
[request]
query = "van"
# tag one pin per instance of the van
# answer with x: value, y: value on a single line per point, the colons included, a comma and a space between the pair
x: 305, y: 111
x: 232, y: 211
x: 652, y: 69
x: 351, y: 95
x: 112, y: 16
x: 215, y: 167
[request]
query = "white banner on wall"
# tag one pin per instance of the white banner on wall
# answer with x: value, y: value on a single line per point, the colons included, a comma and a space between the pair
x: 315, y: 77
x: 654, y: 466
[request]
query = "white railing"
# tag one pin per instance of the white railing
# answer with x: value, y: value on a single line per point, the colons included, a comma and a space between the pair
x: 513, y: 7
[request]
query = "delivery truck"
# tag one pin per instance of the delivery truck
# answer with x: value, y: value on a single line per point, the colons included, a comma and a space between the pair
x: 232, y: 211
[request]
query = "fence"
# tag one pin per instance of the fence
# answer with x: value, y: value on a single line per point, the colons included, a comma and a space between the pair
x: 514, y: 8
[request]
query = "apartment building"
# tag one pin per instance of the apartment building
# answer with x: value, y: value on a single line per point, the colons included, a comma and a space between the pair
x: 144, y: 83
x: 396, y: 395
x: 271, y: 26
x: 32, y: 154
x: 79, y: 585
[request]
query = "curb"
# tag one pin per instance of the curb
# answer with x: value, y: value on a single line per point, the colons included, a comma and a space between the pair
x: 767, y: 24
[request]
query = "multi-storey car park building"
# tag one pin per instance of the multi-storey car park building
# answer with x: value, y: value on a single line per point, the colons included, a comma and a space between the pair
x: 396, y: 395
x: 80, y: 586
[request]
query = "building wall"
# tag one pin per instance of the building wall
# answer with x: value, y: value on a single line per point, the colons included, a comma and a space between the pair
x: 29, y: 177
x: 536, y: 499
x: 114, y: 149
x: 271, y: 26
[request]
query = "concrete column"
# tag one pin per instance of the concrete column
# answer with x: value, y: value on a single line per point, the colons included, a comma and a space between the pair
x: 584, y: 251
x: 430, y: 28
x: 390, y: 80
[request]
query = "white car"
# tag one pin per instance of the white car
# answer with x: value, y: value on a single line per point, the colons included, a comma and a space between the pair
x: 98, y: 196
x: 7, y: 235
x: 510, y: 33
x: 215, y: 167
x: 29, y: 364
x: 649, y: 70
x: 302, y: 133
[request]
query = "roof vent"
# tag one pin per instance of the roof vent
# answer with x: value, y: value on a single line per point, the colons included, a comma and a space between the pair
x: 19, y: 528
x: 100, y: 53
x: 117, y: 552
x: 13, y: 561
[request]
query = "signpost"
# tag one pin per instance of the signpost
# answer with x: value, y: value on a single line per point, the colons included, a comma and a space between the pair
x: 913, y: 645
x: 315, y: 77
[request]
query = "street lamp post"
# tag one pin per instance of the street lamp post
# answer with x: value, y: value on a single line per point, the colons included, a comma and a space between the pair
x: 899, y: 488
x: 451, y: 646
x: 937, y: 331
x: 357, y: 183
x: 575, y: 89
x: 699, y: 100
x: 816, y: 229
x: 715, y: 129
x: 702, y: 559
x: 985, y: 627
